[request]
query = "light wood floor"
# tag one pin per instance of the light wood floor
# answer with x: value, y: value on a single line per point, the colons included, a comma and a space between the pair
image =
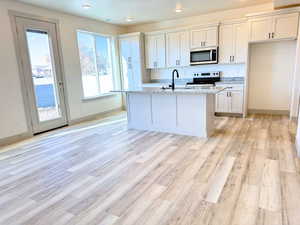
x: 104, y: 174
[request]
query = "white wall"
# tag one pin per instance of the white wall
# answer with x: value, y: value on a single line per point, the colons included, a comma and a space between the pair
x: 237, y: 70
x: 271, y: 73
x: 202, y: 19
x: 12, y: 116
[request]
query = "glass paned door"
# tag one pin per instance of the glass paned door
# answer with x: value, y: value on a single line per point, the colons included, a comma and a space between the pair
x: 37, y: 42
x: 43, y: 75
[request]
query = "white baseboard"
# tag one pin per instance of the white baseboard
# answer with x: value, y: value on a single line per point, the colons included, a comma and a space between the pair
x: 95, y: 116
x: 269, y: 112
x: 15, y: 138
x: 26, y: 135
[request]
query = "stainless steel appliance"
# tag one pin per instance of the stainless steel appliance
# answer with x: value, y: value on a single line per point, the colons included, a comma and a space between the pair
x: 204, y: 56
x: 204, y: 79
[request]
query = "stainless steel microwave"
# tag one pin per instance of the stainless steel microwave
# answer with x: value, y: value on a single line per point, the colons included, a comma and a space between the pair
x: 204, y: 56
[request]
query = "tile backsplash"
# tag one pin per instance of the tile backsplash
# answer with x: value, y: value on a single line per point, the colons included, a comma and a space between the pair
x: 230, y: 70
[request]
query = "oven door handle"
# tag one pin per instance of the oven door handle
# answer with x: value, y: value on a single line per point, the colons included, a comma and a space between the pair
x: 211, y: 55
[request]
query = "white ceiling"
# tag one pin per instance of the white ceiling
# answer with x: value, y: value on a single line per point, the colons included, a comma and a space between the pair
x: 142, y: 11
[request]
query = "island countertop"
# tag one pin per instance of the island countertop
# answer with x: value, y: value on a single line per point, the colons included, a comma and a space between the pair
x: 180, y: 90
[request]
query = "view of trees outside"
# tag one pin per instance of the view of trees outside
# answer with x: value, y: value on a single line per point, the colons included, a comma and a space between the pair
x: 96, y: 66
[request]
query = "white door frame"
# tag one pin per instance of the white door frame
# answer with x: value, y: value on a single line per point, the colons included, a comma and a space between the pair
x: 13, y: 15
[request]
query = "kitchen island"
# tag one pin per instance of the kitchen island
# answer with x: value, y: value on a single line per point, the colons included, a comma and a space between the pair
x: 181, y: 111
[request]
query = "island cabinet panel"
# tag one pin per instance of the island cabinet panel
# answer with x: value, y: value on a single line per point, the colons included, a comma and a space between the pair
x: 186, y: 114
x: 164, y: 112
x: 139, y: 111
x: 191, y: 118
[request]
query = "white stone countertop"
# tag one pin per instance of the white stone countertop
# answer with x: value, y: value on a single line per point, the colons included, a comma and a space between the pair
x: 178, y: 90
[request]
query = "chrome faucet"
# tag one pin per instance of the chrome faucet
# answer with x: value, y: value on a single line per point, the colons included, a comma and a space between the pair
x: 177, y: 75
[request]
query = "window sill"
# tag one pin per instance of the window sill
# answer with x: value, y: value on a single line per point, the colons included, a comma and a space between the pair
x: 98, y: 97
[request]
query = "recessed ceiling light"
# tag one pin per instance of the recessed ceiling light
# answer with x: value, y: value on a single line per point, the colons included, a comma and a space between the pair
x: 129, y: 19
x: 86, y: 5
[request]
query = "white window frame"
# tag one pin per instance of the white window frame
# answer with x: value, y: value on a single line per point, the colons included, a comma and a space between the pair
x: 113, y: 63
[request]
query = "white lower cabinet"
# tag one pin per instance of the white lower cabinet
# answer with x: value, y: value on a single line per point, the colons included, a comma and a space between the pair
x: 230, y: 101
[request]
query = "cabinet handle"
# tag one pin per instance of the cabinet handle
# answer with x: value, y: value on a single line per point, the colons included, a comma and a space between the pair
x: 178, y: 62
x: 272, y: 34
x: 204, y: 43
x: 269, y: 35
x: 233, y: 58
x: 201, y: 43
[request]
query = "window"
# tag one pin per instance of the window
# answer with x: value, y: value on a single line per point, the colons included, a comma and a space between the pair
x: 96, y: 63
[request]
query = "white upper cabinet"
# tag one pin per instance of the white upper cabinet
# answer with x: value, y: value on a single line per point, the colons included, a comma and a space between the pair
x: 283, y: 26
x: 204, y: 37
x: 155, y: 51
x: 226, y: 44
x: 240, y: 33
x: 260, y: 29
x: 233, y: 43
x: 177, y: 48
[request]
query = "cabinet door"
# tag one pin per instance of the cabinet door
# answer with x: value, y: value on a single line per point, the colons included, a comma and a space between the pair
x: 160, y: 51
x: 222, y: 102
x: 135, y: 62
x: 184, y: 53
x: 150, y: 51
x: 211, y: 37
x: 226, y: 44
x: 236, y: 98
x: 260, y: 29
x: 173, y: 49
x: 285, y: 26
x: 124, y: 57
x: 240, y: 33
x: 197, y: 38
